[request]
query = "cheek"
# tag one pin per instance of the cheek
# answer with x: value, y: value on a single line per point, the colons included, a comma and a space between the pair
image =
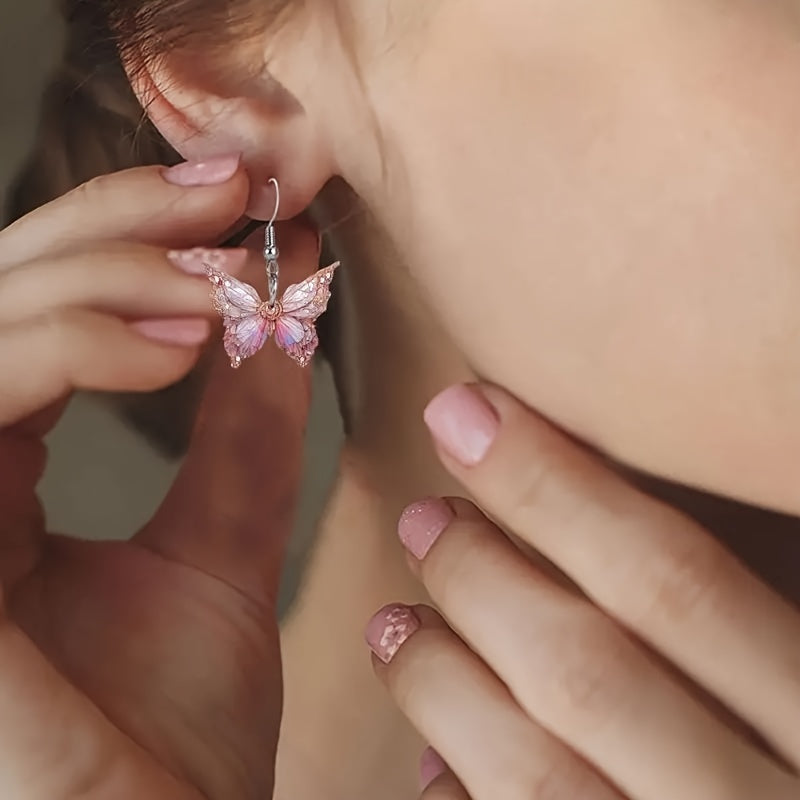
x: 624, y: 203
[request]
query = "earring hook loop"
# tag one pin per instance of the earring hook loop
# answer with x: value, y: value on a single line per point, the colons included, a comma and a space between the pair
x: 274, y: 182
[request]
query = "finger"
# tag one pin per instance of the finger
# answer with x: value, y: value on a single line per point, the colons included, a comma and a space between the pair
x: 127, y: 280
x: 653, y: 569
x: 45, y: 358
x: 467, y: 714
x: 575, y: 671
x: 143, y: 205
x: 232, y: 507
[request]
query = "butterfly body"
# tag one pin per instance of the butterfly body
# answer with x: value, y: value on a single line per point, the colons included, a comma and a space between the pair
x: 249, y: 321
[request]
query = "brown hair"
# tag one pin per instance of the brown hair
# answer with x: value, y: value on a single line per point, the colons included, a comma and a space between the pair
x: 149, y: 28
x: 90, y: 122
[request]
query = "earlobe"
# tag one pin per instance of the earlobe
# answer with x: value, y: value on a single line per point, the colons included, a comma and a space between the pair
x: 275, y: 138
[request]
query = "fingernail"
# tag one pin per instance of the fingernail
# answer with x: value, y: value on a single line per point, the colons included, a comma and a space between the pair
x: 431, y: 766
x: 463, y: 423
x: 184, y: 332
x: 422, y: 523
x: 210, y: 172
x: 390, y: 629
x: 196, y: 260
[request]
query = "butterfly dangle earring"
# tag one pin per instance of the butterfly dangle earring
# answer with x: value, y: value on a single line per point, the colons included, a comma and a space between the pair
x: 249, y: 321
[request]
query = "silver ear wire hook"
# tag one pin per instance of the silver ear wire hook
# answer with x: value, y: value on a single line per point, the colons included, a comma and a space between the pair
x: 271, y: 251
x: 275, y: 183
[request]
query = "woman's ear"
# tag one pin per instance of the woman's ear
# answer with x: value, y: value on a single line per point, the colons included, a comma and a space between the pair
x: 206, y: 106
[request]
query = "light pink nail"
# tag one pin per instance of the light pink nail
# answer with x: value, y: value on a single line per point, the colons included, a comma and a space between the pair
x: 210, y: 172
x: 463, y: 423
x: 197, y: 260
x: 390, y: 629
x: 431, y: 766
x: 422, y: 523
x: 182, y: 332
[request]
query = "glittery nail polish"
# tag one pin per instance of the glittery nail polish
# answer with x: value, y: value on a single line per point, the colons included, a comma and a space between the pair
x: 390, y: 629
x: 422, y: 524
x: 197, y: 260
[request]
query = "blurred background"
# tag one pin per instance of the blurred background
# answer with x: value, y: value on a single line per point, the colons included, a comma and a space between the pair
x: 104, y: 480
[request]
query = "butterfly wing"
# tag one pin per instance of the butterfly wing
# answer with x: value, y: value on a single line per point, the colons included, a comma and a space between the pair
x: 297, y: 338
x: 232, y: 299
x: 246, y: 329
x: 309, y: 299
x: 302, y: 304
x: 245, y: 336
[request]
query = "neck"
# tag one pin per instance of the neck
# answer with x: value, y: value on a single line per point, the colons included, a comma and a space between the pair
x: 396, y: 360
x: 392, y: 356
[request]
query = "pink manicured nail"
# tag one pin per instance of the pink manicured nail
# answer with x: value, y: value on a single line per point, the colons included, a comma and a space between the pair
x: 431, y: 766
x: 210, y: 172
x: 422, y: 523
x: 198, y: 259
x: 463, y: 423
x: 183, y: 332
x: 390, y: 629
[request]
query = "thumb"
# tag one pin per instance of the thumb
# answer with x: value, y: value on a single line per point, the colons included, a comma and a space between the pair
x: 231, y: 509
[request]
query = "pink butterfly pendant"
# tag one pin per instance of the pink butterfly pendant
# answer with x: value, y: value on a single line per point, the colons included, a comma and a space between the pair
x: 249, y: 321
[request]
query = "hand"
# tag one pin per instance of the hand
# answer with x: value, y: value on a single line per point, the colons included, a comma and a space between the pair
x: 647, y: 663
x: 145, y: 669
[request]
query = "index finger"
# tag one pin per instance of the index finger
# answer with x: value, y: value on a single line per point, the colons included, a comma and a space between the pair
x: 185, y: 206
